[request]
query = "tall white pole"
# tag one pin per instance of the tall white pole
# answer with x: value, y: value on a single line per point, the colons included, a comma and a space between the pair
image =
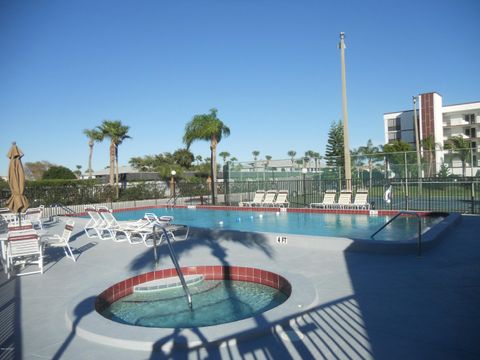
x: 346, y: 148
x: 417, y: 136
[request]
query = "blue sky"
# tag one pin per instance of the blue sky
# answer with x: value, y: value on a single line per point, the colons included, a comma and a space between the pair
x: 270, y: 67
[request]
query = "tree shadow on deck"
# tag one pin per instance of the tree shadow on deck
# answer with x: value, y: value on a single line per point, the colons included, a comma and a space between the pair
x: 212, y: 239
x: 10, y: 317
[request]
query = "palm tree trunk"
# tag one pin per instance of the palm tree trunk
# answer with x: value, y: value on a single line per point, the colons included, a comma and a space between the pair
x: 112, y: 164
x: 90, y: 156
x: 213, y: 168
x: 116, y: 171
x: 369, y: 174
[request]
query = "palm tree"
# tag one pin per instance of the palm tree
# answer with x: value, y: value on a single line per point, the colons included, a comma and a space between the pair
x: 268, y: 158
x: 93, y: 136
x: 292, y: 154
x: 117, y: 132
x: 462, y: 147
x: 255, y: 154
x: 78, y: 172
x: 207, y: 127
x: 430, y: 146
x: 371, y: 153
x: 310, y: 154
x: 395, y: 153
x: 199, y: 159
x: 357, y: 161
x: 316, y: 156
x: 224, y: 155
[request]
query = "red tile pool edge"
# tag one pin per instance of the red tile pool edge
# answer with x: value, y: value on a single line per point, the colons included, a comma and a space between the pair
x: 217, y: 272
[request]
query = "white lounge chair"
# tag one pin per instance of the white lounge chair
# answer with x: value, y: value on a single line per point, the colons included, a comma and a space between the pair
x: 174, y: 231
x: 344, y: 200
x: 111, y: 229
x: 328, y: 200
x: 95, y: 223
x: 23, y: 246
x: 269, y: 198
x: 257, y: 199
x: 361, y: 200
x: 281, y: 199
x: 62, y: 240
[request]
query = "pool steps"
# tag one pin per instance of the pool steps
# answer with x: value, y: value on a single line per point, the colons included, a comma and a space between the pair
x: 167, y: 283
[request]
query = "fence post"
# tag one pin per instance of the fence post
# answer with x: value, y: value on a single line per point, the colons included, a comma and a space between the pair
x: 226, y: 182
x: 473, y: 196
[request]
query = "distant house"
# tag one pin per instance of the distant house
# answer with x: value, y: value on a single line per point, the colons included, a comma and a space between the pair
x: 283, y: 165
x: 125, y: 174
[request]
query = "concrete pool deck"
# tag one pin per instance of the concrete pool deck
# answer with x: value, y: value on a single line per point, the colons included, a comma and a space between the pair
x: 363, y: 306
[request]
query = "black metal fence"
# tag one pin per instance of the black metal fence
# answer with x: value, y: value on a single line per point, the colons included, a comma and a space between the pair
x: 434, y: 194
x: 426, y: 194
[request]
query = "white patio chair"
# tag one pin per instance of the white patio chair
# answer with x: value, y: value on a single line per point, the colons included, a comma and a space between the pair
x: 62, y: 241
x: 9, y: 217
x: 257, y: 199
x: 24, y: 247
x: 281, y: 199
x: 34, y: 215
x: 328, y: 200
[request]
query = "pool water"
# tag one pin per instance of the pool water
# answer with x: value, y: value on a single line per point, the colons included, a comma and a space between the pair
x: 315, y: 224
x: 214, y: 302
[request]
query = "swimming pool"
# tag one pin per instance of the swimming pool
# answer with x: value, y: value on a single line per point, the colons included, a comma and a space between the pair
x: 353, y: 226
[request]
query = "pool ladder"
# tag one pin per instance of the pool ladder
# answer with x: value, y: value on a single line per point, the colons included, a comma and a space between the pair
x: 174, y: 260
x: 404, y: 212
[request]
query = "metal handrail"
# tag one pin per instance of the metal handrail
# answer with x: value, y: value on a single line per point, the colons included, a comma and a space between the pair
x: 64, y: 207
x: 404, y: 212
x: 174, y: 198
x: 174, y: 260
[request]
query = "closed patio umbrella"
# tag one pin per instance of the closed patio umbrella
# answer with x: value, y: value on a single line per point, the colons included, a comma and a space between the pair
x: 16, y: 180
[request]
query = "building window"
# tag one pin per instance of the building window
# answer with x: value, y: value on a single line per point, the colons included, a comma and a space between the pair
x: 394, y: 124
x: 392, y: 136
x: 473, y: 133
x: 470, y: 118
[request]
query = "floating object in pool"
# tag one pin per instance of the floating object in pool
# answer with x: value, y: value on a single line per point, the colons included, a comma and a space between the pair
x: 238, y: 219
x: 277, y: 213
x: 260, y: 216
x: 220, y: 223
x: 251, y: 217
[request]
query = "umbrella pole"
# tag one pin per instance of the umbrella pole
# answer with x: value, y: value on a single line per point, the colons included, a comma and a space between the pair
x: 19, y: 219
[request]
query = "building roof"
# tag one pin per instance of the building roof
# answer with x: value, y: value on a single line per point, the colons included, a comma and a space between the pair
x: 443, y: 106
x: 121, y: 170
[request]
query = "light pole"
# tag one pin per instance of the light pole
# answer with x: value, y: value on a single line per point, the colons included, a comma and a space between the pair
x: 346, y: 148
x: 172, y: 183
x: 417, y: 143
x: 304, y: 173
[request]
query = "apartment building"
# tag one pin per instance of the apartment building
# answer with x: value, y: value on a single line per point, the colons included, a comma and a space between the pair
x: 441, y: 122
